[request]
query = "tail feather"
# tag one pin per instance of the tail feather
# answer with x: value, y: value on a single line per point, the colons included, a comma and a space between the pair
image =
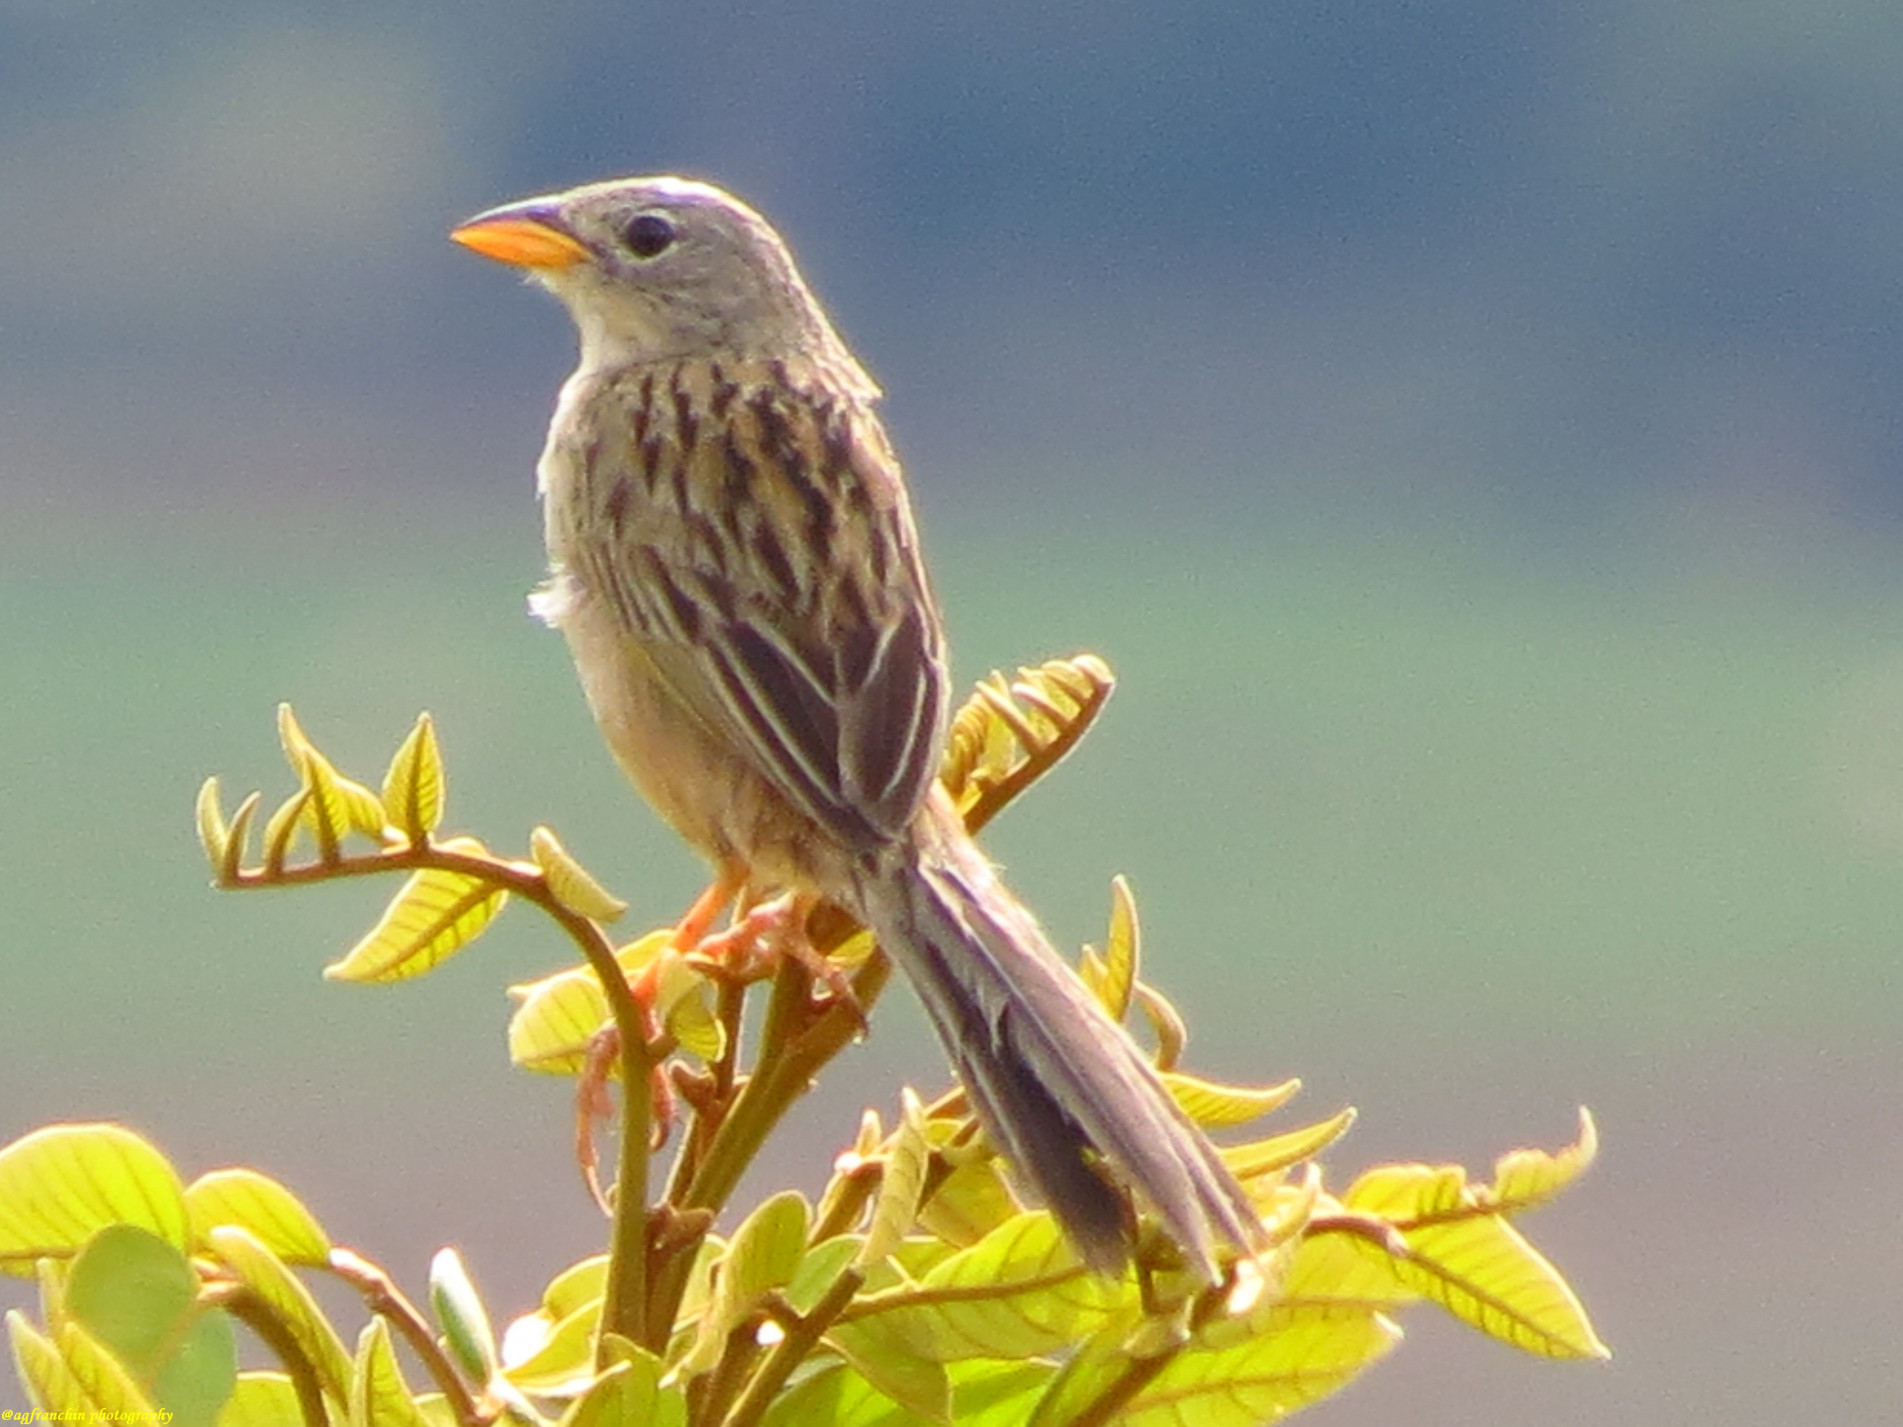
x: 1061, y: 1088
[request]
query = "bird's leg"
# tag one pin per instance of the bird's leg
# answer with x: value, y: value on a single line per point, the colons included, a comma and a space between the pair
x: 604, y: 1048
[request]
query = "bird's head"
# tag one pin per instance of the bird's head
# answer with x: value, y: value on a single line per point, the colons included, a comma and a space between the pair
x: 658, y: 269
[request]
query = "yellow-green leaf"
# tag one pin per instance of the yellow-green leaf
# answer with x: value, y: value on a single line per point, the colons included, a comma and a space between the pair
x: 629, y: 1394
x: 413, y: 788
x: 337, y: 805
x: 106, y: 1384
x: 235, y: 840
x: 1278, y: 1152
x: 1464, y: 1255
x: 1166, y: 1024
x: 969, y: 1203
x: 762, y: 1255
x: 289, y: 1302
x: 258, y: 1203
x: 582, y: 1282
x: 820, y: 1270
x: 1217, y: 1106
x: 907, y: 1155
x: 1018, y: 1293
x: 72, y: 1378
x: 1484, y: 1272
x: 878, y: 1353
x: 213, y: 833
x: 571, y: 883
x: 1009, y: 734
x: 553, y: 1356
x: 261, y: 1399
x: 982, y: 1394
x: 1526, y: 1178
x: 1329, y: 1270
x: 435, y: 915
x: 561, y: 1014
x: 378, y: 1395
x: 1121, y: 955
x: 552, y: 1350
x: 60, y: 1185
x: 680, y: 1000
x: 280, y: 830
x: 1263, y: 1379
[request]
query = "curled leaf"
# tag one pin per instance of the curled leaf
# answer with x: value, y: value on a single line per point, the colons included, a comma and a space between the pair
x: 231, y: 860
x: 571, y: 883
x: 1216, y: 1106
x: 1009, y: 734
x: 213, y: 833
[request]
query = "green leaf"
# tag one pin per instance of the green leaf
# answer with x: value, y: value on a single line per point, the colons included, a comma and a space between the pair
x: 629, y: 1394
x: 982, y: 1394
x: 461, y: 1315
x: 260, y: 1204
x: 378, y: 1395
x: 881, y: 1355
x: 434, y: 916
x: 572, y: 884
x: 414, y: 787
x: 61, y: 1184
x: 136, y: 1296
x: 819, y: 1270
x: 762, y: 1256
x: 289, y: 1302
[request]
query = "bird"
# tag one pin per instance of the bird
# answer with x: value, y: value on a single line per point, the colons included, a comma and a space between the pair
x: 734, y: 563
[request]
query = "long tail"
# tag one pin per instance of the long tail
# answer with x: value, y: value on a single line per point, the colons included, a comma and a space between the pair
x: 1062, y: 1089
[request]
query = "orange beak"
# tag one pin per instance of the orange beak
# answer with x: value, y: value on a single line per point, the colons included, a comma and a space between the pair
x: 513, y: 235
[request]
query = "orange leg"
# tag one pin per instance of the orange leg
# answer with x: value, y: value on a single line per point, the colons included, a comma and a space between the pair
x: 591, y: 1091
x: 752, y: 947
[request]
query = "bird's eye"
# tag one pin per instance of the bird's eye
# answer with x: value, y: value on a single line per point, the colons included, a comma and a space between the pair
x: 648, y: 235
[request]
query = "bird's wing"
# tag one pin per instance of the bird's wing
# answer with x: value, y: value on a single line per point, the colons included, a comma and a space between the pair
x: 775, y: 583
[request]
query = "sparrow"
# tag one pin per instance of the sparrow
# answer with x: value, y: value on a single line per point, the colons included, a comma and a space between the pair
x: 734, y: 564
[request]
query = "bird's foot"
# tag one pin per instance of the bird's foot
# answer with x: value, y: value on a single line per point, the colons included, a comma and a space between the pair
x: 767, y: 934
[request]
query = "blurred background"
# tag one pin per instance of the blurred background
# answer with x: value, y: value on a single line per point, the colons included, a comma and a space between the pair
x: 1472, y: 430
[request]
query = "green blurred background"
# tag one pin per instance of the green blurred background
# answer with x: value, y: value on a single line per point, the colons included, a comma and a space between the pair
x: 1471, y: 431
